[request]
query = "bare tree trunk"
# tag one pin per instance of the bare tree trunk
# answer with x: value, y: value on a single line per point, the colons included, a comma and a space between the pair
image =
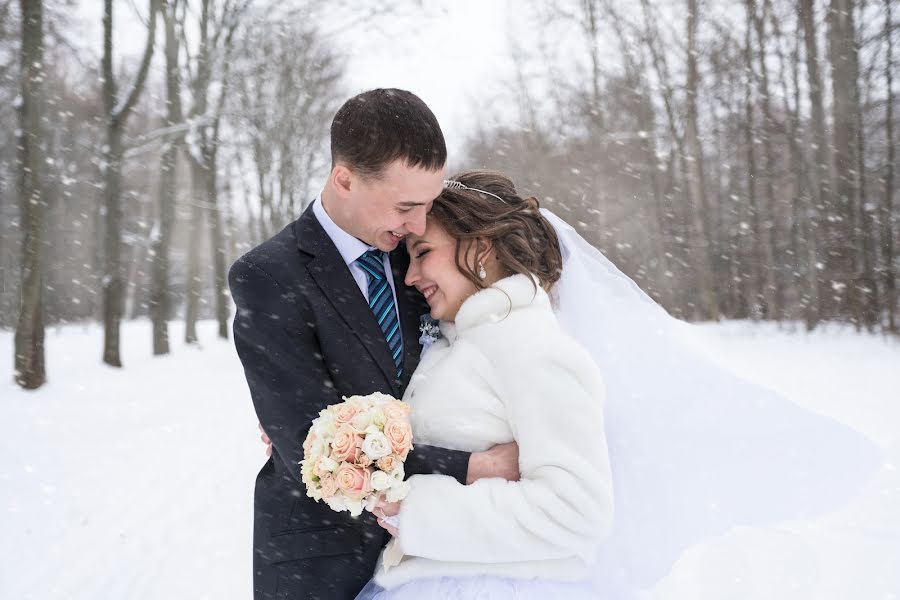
x: 217, y: 238
x: 760, y: 297
x: 136, y: 251
x: 252, y: 229
x: 116, y: 117
x: 162, y: 235
x: 263, y: 163
x: 646, y: 121
x: 199, y: 174
x: 230, y: 234
x: 797, y: 167
x: 807, y: 251
x: 821, y: 189
x: 840, y: 256
x: 696, y: 179
x: 772, y: 291
x: 211, y: 155
x: 677, y: 158
x: 29, y: 342
x: 192, y: 302
x: 591, y: 25
x: 887, y: 210
x: 595, y: 120
x: 205, y: 150
x: 112, y: 264
x: 866, y: 284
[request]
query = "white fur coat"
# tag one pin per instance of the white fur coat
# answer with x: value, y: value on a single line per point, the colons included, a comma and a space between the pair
x: 506, y: 371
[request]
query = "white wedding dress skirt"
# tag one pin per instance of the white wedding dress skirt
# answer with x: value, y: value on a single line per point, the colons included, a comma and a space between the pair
x: 484, y: 587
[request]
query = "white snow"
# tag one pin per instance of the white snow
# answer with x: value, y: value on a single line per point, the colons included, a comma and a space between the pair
x: 137, y: 482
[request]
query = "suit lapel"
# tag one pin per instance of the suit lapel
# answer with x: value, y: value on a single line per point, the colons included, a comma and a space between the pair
x: 333, y: 277
x: 410, y: 308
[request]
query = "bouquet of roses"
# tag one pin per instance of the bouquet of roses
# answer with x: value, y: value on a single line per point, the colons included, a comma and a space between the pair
x: 354, y: 452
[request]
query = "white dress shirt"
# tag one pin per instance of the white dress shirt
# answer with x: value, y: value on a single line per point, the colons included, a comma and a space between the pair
x: 350, y: 249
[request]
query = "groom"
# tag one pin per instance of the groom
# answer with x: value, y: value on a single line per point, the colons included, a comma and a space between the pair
x: 307, y: 335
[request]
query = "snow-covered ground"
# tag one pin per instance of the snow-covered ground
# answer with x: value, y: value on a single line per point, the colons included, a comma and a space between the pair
x: 137, y: 483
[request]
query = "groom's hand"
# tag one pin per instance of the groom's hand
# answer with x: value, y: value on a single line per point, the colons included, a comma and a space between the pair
x: 500, y: 461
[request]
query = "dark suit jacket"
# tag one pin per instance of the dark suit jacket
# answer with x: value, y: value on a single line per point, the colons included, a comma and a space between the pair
x: 306, y: 337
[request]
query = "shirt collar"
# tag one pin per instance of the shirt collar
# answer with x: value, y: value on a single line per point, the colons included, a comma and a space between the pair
x: 349, y: 247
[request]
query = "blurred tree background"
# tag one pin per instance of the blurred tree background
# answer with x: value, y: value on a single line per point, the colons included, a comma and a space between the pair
x: 736, y: 158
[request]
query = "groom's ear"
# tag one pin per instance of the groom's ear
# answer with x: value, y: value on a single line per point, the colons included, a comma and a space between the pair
x: 341, y: 178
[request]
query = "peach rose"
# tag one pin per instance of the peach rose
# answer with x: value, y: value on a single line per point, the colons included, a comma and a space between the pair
x: 329, y: 486
x: 345, y: 445
x: 395, y: 409
x: 388, y: 463
x: 399, y: 434
x: 363, y: 460
x: 345, y: 413
x: 355, y: 482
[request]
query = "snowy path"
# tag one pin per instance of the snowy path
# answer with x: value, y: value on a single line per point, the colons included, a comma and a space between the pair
x: 133, y: 483
x: 137, y: 483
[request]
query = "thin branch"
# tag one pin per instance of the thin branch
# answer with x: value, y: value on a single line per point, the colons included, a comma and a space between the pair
x: 138, y: 15
x: 144, y: 142
x: 123, y: 109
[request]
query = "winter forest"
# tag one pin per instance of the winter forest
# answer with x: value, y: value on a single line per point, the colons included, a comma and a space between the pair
x: 734, y: 157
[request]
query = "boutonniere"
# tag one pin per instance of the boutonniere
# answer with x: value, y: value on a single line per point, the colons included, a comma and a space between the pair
x: 430, y: 330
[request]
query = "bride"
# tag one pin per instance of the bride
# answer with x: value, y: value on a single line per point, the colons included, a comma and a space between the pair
x: 530, y: 317
x: 503, y: 370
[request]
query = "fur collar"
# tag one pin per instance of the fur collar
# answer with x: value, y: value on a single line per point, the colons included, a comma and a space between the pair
x: 495, y: 303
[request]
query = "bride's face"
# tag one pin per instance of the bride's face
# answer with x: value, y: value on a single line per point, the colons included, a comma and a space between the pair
x: 433, y: 271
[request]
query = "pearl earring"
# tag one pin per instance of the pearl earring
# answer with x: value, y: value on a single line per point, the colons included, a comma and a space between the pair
x: 481, y: 272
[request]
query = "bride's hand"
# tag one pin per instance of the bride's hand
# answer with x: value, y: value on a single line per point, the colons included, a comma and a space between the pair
x: 383, y: 508
x: 265, y: 440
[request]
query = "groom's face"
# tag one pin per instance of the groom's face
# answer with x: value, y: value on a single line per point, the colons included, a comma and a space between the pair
x: 383, y: 211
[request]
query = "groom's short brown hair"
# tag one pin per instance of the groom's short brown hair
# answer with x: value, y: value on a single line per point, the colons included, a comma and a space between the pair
x: 378, y: 127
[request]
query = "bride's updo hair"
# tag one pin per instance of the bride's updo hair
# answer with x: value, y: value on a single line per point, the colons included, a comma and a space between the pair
x: 523, y: 241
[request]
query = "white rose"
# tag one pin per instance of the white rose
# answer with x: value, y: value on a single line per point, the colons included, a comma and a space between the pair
x: 306, y: 472
x: 376, y: 445
x: 379, y: 398
x: 354, y: 506
x: 398, y: 473
x: 382, y: 481
x: 325, y: 425
x: 327, y: 464
x: 397, y: 492
x: 337, y: 503
x: 357, y: 401
x: 317, y: 448
x: 361, y: 421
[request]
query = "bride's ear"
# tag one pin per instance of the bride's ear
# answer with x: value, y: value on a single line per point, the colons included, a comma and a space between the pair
x: 483, y: 252
x: 483, y: 248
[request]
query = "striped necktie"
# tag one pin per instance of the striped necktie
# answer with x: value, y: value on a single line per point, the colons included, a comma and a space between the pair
x: 381, y: 301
